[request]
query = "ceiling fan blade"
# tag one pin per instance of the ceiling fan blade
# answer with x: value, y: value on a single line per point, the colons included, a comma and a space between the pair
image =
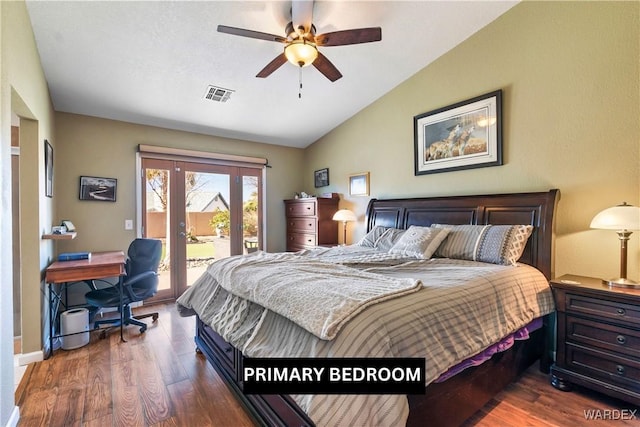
x: 302, y: 13
x: 355, y: 36
x: 326, y: 67
x: 251, y: 34
x: 272, y: 66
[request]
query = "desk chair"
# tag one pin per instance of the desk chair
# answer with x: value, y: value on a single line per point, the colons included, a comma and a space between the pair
x: 140, y: 283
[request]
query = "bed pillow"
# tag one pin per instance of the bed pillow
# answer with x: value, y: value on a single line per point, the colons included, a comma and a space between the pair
x: 388, y: 239
x: 419, y: 242
x: 496, y: 244
x: 369, y: 240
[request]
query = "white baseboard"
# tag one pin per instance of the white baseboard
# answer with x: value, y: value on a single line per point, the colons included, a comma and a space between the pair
x: 25, y: 359
x: 14, y: 418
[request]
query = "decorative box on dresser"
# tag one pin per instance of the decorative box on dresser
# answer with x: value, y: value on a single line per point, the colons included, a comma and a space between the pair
x: 598, y: 337
x: 310, y: 223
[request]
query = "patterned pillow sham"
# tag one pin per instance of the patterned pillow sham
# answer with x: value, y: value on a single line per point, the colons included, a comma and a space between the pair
x: 369, y: 240
x: 496, y: 244
x: 388, y: 239
x: 419, y: 242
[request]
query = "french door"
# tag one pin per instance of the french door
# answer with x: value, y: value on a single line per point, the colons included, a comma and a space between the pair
x: 201, y: 212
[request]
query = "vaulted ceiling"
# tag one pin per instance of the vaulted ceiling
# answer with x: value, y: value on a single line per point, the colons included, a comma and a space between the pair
x: 152, y: 62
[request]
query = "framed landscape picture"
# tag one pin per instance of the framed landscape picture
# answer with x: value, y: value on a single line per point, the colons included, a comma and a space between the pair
x: 98, y: 189
x: 460, y: 136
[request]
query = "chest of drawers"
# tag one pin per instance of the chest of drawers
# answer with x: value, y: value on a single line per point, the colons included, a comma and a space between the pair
x: 598, y: 337
x: 310, y: 223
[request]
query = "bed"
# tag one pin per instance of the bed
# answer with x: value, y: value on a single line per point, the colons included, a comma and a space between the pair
x: 446, y: 402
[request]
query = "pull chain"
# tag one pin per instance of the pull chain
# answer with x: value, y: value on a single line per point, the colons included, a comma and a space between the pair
x: 300, y: 82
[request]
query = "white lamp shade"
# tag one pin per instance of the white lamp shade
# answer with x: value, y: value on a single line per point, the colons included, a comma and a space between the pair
x: 345, y: 215
x: 300, y: 53
x: 621, y: 217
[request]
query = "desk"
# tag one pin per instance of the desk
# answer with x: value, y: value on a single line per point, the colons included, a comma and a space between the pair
x: 101, y: 266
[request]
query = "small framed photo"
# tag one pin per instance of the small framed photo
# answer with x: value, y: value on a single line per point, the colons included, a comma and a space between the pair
x: 460, y: 136
x: 48, y: 169
x: 321, y: 177
x: 359, y: 184
x: 98, y: 189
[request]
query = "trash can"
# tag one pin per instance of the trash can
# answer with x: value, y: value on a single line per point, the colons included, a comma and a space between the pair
x: 71, y: 322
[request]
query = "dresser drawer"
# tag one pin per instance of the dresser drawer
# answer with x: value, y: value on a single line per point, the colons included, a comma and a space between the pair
x: 602, y: 308
x: 609, y: 367
x: 301, y: 209
x: 301, y: 240
x: 603, y: 335
x: 304, y: 225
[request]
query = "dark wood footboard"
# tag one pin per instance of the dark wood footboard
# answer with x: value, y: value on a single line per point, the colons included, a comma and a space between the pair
x: 448, y: 403
x: 267, y: 410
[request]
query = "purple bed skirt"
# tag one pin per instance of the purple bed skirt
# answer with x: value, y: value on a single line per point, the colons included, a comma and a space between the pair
x: 502, y: 345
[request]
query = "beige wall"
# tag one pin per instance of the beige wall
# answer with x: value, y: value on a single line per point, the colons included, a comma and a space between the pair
x: 24, y: 91
x: 570, y: 79
x: 107, y: 148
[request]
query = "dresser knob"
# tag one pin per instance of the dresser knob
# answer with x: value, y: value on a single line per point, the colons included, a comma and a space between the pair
x: 621, y: 311
x: 620, y: 369
x: 621, y: 339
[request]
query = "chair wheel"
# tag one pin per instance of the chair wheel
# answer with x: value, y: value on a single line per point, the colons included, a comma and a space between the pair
x: 154, y: 317
x: 142, y: 329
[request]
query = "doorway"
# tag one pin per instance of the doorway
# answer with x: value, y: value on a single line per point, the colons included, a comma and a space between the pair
x: 201, y: 212
x: 15, y: 213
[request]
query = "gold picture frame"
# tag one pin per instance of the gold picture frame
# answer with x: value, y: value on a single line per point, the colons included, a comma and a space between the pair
x: 359, y: 184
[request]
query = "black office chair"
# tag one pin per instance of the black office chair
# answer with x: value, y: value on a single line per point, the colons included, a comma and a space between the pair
x: 140, y: 283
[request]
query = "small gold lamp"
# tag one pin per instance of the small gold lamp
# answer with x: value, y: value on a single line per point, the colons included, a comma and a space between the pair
x: 344, y: 215
x: 622, y: 218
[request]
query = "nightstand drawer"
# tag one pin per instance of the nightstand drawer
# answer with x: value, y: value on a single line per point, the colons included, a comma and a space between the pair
x: 623, y: 371
x: 301, y: 240
x: 602, y: 308
x: 603, y: 335
x: 307, y: 225
x: 301, y: 209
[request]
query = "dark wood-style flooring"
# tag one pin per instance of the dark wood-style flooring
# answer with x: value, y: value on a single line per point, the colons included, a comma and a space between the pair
x: 157, y: 379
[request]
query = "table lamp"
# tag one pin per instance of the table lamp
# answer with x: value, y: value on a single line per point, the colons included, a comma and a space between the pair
x: 344, y: 215
x: 621, y: 218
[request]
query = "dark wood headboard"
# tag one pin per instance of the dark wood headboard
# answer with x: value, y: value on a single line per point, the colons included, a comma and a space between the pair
x: 536, y: 209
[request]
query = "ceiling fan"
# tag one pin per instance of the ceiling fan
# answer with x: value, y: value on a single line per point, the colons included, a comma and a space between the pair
x: 301, y: 42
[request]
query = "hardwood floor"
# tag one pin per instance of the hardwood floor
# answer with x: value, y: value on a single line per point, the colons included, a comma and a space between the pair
x: 157, y: 379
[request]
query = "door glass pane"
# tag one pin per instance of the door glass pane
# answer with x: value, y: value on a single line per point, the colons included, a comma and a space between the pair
x: 207, y: 220
x: 250, y: 218
x: 158, y: 221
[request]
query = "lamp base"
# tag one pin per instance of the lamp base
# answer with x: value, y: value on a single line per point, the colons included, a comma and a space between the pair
x: 621, y: 283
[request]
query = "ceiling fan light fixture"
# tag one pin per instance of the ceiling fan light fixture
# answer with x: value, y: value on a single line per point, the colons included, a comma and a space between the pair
x: 301, y: 53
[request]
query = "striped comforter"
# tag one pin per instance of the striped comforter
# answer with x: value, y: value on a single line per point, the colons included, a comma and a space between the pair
x: 462, y: 308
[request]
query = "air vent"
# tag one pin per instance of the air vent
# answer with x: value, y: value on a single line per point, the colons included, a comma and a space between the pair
x: 218, y: 94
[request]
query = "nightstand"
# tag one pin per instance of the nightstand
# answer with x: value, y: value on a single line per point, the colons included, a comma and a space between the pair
x: 598, y: 337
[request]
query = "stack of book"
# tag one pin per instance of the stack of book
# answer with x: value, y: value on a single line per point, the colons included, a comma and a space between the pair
x: 74, y: 256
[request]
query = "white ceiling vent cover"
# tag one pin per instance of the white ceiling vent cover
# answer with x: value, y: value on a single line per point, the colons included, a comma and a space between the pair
x: 219, y: 94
